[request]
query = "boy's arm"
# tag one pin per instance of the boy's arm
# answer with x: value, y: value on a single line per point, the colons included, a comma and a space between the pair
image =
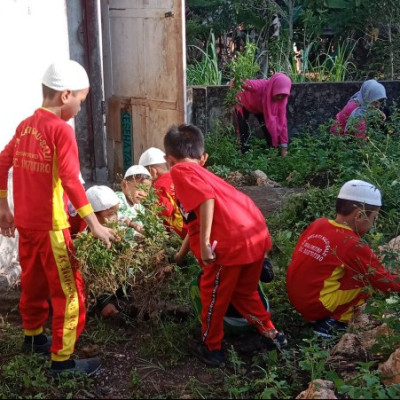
x: 69, y: 169
x: 185, y: 248
x: 206, y: 219
x: 165, y: 202
x: 367, y: 267
x: 7, y: 227
x: 104, y: 233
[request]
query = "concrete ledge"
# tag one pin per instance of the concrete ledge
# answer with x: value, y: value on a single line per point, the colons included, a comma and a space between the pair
x: 268, y: 199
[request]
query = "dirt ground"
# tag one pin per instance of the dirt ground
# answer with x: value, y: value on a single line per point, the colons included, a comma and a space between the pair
x: 147, y: 360
x: 142, y: 359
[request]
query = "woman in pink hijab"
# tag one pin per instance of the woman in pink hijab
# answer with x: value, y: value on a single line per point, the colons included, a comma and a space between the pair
x: 267, y: 100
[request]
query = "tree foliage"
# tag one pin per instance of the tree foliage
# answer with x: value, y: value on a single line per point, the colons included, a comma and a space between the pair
x: 316, y: 27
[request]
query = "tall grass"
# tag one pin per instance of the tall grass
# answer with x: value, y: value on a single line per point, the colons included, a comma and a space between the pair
x: 205, y: 71
x: 334, y: 67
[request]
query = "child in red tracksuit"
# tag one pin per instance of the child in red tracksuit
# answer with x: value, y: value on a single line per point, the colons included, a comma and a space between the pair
x: 153, y: 159
x: 215, y: 212
x: 332, y: 269
x: 44, y: 157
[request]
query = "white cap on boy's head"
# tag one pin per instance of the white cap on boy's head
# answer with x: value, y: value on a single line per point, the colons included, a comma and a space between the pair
x: 152, y: 156
x: 66, y: 75
x: 361, y: 191
x: 102, y: 198
x: 136, y: 170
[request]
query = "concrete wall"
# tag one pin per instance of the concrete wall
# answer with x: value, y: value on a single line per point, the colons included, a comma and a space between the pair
x: 310, y: 104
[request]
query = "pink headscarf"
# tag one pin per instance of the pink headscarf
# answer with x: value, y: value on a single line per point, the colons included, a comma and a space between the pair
x: 257, y: 98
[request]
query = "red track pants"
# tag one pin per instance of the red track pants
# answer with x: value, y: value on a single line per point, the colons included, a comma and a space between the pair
x: 237, y: 284
x: 49, y: 270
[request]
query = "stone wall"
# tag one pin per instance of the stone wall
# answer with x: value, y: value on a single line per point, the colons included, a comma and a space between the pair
x: 310, y: 104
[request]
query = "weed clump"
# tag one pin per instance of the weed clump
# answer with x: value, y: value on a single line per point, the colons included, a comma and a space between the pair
x: 137, y: 267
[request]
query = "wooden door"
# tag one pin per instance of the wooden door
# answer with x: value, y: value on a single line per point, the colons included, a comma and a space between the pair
x: 144, y: 64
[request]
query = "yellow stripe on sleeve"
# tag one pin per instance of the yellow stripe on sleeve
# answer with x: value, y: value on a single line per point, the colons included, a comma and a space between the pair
x: 85, y: 210
x: 3, y: 194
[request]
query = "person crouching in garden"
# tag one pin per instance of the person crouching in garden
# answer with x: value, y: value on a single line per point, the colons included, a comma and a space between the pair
x: 332, y: 269
x: 135, y: 185
x: 105, y: 204
x: 370, y: 92
x: 267, y: 99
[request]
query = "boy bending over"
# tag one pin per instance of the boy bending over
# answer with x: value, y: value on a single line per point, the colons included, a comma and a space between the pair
x: 153, y: 159
x: 215, y: 212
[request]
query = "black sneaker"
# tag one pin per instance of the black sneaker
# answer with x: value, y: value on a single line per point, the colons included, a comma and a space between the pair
x: 267, y: 272
x: 85, y: 366
x: 213, y: 358
x: 329, y: 327
x: 30, y: 347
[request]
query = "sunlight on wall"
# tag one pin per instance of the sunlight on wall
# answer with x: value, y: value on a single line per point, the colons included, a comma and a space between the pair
x: 33, y: 33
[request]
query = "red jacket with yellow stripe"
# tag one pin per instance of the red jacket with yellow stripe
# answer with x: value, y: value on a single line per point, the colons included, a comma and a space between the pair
x: 331, y: 262
x: 44, y: 157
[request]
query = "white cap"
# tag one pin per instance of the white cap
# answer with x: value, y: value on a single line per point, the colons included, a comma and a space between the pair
x: 66, y: 74
x: 361, y: 191
x: 152, y: 156
x: 136, y: 170
x: 102, y: 198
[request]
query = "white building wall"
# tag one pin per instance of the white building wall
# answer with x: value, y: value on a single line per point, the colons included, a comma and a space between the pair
x: 33, y: 33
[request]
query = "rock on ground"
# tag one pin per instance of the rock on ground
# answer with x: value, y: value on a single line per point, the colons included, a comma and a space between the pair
x: 346, y: 354
x: 390, y: 369
x: 319, y: 389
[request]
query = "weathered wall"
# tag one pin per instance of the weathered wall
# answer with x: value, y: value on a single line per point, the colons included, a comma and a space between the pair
x: 33, y: 34
x: 310, y: 104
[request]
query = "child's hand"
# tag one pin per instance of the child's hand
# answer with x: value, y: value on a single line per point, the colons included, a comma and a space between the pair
x: 7, y: 227
x: 207, y: 255
x: 105, y: 234
x: 179, y: 257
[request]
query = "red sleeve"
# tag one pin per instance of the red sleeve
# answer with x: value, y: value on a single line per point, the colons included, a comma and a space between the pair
x: 165, y: 202
x: 369, y: 266
x: 69, y: 168
x: 6, y: 160
x: 190, y: 187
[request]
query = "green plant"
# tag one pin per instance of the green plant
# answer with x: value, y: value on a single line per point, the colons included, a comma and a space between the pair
x: 313, y: 359
x: 26, y: 377
x: 169, y: 338
x: 274, y: 382
x: 136, y: 381
x: 102, y: 333
x: 241, y: 68
x: 237, y: 386
x: 205, y: 71
x: 367, y: 385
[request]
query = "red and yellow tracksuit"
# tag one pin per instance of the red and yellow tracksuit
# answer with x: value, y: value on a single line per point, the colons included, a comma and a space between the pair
x: 44, y: 157
x: 331, y: 271
x: 242, y: 235
x: 165, y: 191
